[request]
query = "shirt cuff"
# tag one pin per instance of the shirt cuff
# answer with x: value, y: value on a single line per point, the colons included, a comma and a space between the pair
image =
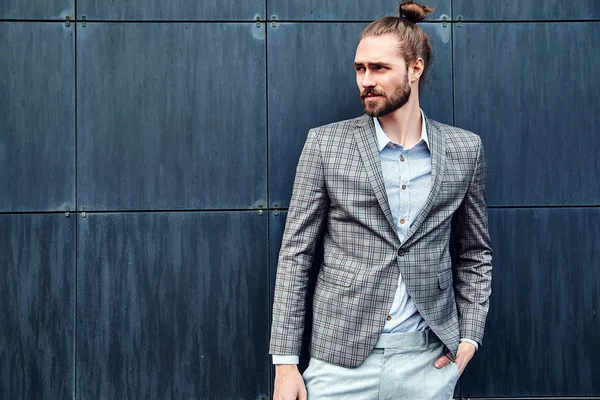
x: 474, y: 343
x: 285, y: 359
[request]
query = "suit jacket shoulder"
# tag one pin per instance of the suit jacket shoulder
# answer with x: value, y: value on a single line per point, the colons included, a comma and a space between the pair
x: 337, y: 129
x: 458, y: 139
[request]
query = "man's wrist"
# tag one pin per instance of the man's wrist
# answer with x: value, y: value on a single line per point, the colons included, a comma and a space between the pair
x: 285, y: 359
x: 474, y: 343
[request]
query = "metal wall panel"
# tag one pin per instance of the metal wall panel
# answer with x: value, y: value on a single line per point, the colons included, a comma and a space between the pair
x: 173, y: 305
x: 436, y: 95
x: 345, y: 10
x: 527, y: 10
x: 541, y: 334
x: 37, y: 298
x: 171, y: 116
x: 531, y: 91
x: 47, y: 9
x: 171, y: 9
x: 312, y: 82
x: 37, y: 117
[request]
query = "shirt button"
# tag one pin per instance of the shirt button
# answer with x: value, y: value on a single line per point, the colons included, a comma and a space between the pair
x: 402, y: 158
x: 389, y: 318
x: 403, y: 187
x: 402, y: 221
x: 401, y: 252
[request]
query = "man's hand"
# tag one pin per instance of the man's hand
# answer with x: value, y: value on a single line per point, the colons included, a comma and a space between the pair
x: 289, y: 384
x: 463, y: 356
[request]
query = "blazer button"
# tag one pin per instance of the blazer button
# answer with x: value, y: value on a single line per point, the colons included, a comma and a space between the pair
x: 401, y: 252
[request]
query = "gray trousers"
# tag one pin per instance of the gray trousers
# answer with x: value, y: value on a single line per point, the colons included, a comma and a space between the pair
x: 401, y: 367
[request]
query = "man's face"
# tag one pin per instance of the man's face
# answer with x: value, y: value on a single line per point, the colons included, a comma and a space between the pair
x: 381, y: 75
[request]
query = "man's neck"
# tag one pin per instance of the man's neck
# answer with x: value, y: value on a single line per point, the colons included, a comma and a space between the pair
x: 403, y: 126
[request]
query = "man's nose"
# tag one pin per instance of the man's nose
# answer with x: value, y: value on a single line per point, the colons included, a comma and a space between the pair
x: 368, y: 81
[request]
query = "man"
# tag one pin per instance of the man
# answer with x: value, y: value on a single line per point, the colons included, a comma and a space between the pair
x: 392, y: 318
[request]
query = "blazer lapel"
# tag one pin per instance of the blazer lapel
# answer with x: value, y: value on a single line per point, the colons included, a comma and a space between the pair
x: 437, y: 149
x: 369, y: 153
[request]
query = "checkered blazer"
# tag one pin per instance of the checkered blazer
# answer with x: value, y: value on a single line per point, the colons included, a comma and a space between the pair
x: 339, y: 191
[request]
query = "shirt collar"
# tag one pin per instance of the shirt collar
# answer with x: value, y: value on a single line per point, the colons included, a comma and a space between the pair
x: 383, y: 140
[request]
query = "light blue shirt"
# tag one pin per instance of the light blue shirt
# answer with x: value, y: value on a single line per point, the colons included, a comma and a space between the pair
x: 407, y: 179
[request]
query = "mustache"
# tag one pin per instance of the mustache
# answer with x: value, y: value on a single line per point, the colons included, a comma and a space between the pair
x: 369, y: 91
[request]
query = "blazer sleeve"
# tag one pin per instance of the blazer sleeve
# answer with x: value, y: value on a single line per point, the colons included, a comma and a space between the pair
x: 473, y: 276
x: 306, y: 216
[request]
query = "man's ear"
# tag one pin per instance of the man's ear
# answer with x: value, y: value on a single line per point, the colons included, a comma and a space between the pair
x: 416, y: 69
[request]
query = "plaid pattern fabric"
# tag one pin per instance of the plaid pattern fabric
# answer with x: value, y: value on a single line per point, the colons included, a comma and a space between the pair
x: 339, y: 189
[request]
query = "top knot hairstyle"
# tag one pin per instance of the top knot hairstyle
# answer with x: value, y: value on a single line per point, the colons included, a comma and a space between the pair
x: 414, y: 43
x: 413, y: 12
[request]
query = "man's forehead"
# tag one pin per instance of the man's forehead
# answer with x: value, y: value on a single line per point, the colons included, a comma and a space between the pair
x: 374, y: 49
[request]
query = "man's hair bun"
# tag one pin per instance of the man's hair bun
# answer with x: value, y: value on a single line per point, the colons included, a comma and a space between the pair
x: 414, y: 12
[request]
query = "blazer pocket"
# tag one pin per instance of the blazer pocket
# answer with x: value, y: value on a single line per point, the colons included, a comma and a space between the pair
x: 445, y: 279
x: 335, y: 276
x: 455, y: 187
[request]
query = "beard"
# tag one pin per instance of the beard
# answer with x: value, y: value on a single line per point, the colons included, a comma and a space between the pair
x: 398, y: 99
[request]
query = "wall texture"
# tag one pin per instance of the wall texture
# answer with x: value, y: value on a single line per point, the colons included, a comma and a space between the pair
x: 147, y: 154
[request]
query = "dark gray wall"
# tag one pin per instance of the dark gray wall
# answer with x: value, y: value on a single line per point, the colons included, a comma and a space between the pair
x: 147, y: 153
